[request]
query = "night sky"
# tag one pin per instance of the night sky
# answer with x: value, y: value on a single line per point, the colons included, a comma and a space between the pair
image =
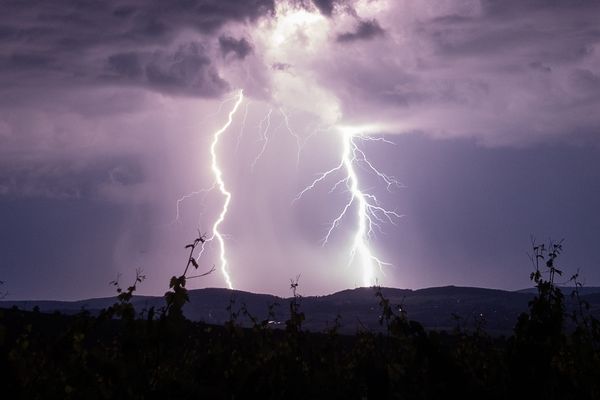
x: 486, y: 113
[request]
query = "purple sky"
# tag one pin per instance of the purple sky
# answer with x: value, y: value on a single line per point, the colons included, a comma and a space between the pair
x: 107, y: 111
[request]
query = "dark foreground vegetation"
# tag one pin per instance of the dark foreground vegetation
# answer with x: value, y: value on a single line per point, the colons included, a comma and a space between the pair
x: 158, y: 353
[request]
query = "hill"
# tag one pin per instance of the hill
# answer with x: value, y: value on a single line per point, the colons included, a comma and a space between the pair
x: 440, y: 308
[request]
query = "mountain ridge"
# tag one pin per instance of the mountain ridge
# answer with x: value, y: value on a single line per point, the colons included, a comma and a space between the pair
x: 442, y: 308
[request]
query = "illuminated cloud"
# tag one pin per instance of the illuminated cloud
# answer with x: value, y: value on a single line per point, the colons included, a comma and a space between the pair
x: 114, y: 103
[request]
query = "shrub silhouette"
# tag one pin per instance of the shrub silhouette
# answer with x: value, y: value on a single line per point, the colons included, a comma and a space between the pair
x: 124, y: 353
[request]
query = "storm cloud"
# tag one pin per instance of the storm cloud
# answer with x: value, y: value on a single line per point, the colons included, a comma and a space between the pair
x: 186, y: 70
x: 325, y: 6
x: 240, y: 48
x: 77, y: 43
x: 364, y: 31
x: 107, y: 111
x: 504, y: 73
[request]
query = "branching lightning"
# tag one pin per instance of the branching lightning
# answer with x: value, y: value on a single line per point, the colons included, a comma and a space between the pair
x: 220, y: 184
x: 242, y: 128
x: 299, y: 143
x: 263, y: 127
x: 213, y: 186
x: 362, y: 205
x: 369, y: 211
x: 188, y: 196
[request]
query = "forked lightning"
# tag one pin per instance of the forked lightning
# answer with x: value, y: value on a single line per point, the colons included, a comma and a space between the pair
x: 369, y: 211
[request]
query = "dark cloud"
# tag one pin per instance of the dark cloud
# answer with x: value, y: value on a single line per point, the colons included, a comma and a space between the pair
x: 453, y: 43
x: 364, y: 31
x: 325, y: 6
x: 549, y: 31
x: 124, y: 11
x: 126, y: 64
x: 189, y: 68
x: 66, y: 179
x: 240, y: 48
x: 63, y: 42
x: 586, y: 82
x: 451, y: 19
x: 539, y: 66
x: 508, y: 8
x: 186, y: 70
x: 28, y: 61
x: 7, y: 32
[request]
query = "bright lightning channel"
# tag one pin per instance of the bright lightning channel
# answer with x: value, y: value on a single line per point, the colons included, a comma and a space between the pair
x: 369, y: 211
x: 216, y: 170
x: 187, y: 196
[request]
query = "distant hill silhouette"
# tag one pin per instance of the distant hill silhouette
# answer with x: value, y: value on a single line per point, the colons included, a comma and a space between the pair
x: 584, y: 291
x: 438, y: 308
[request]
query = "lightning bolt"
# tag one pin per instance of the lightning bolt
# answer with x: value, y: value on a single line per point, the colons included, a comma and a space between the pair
x: 242, y: 129
x: 210, y: 189
x: 299, y: 143
x: 220, y: 184
x: 188, y: 196
x: 264, y: 128
x: 266, y: 122
x: 369, y: 211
